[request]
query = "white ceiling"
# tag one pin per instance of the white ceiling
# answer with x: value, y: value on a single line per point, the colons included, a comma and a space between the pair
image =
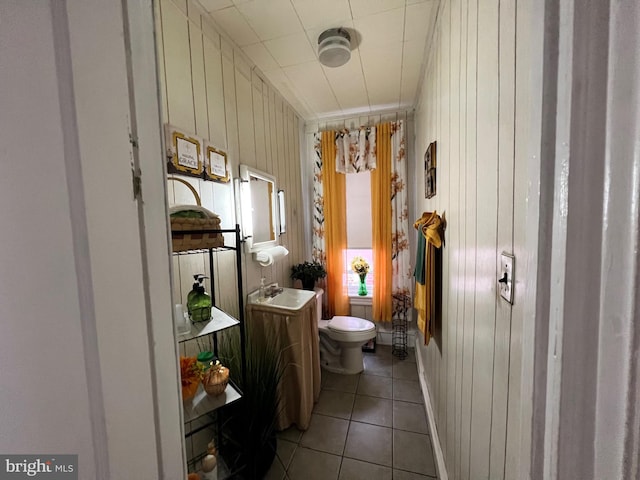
x: 281, y: 38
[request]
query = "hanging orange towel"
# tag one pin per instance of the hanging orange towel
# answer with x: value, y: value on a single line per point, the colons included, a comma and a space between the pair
x: 431, y: 226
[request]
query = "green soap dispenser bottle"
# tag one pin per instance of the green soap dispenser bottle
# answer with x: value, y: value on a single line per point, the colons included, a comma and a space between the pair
x: 199, y: 301
x: 198, y: 279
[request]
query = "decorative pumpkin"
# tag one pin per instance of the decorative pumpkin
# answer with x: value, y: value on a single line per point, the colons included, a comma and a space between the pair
x: 216, y: 379
x: 193, y: 476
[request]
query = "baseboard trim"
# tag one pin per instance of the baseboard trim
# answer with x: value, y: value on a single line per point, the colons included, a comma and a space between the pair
x: 433, y: 430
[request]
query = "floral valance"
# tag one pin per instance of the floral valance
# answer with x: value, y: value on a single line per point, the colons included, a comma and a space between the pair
x: 356, y: 150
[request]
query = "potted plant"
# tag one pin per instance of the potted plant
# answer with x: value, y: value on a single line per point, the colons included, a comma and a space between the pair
x: 308, y: 273
x: 250, y: 430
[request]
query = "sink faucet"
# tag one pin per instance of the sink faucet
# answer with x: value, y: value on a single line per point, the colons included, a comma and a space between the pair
x: 273, y: 290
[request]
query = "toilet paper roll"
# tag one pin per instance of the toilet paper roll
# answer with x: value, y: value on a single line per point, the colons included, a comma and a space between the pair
x: 269, y: 255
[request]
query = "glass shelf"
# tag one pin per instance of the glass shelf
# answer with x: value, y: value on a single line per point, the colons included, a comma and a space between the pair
x: 219, y: 321
x: 204, y: 403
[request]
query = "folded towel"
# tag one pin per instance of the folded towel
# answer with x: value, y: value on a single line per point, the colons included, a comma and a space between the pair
x: 418, y: 272
x: 427, y: 293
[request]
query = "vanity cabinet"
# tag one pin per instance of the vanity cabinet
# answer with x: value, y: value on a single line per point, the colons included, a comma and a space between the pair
x: 295, y: 333
x: 202, y: 415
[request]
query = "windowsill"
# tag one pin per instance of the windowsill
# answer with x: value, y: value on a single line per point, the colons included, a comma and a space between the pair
x: 360, y: 299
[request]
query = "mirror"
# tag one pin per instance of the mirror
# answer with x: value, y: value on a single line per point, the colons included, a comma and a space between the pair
x: 258, y: 208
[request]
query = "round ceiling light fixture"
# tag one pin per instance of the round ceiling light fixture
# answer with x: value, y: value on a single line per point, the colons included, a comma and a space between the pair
x: 334, y: 47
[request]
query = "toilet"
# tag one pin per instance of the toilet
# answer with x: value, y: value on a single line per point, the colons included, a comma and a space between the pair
x: 341, y: 340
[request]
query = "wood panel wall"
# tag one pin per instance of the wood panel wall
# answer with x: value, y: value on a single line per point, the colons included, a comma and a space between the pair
x: 474, y: 101
x: 209, y: 88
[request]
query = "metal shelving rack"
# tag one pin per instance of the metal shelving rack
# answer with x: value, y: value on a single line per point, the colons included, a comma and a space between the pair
x: 400, y: 309
x: 201, y: 413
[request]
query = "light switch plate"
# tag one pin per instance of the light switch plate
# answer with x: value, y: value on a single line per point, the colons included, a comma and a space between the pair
x: 507, y: 264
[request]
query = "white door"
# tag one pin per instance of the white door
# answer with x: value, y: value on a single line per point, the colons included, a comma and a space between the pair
x: 87, y: 350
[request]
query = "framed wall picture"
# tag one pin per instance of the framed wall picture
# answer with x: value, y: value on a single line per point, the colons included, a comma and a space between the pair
x: 184, y: 152
x: 216, y: 168
x: 430, y: 171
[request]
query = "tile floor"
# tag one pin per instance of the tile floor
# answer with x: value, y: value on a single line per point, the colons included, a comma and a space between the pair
x: 369, y: 426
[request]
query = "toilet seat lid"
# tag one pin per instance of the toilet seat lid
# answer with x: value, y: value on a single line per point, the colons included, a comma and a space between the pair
x: 350, y: 324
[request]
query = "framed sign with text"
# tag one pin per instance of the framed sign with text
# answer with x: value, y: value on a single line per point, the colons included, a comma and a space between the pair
x: 184, y: 152
x: 216, y: 168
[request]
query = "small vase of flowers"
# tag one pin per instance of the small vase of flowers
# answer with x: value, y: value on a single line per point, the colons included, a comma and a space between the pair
x: 360, y: 267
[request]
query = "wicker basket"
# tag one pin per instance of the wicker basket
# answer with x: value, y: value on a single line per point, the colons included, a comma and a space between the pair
x: 194, y: 241
x: 216, y: 379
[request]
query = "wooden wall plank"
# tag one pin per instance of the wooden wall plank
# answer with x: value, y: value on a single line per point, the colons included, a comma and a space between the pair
x: 453, y: 216
x: 230, y: 110
x: 266, y: 90
x: 273, y: 132
x: 215, y: 94
x: 295, y: 208
x: 506, y: 146
x: 443, y: 205
x: 198, y: 80
x: 258, y: 125
x: 486, y: 228
x: 522, y: 135
x: 246, y: 132
x: 294, y: 177
x: 232, y: 136
x: 177, y: 67
x: 436, y: 351
x: 470, y: 234
x: 162, y: 75
x: 460, y: 257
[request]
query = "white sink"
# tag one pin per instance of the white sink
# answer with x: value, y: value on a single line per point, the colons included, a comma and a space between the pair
x: 290, y: 299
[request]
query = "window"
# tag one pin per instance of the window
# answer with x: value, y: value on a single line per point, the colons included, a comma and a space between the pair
x: 359, y: 243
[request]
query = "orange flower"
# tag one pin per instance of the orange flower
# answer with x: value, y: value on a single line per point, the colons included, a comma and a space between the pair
x: 190, y: 371
x: 190, y: 376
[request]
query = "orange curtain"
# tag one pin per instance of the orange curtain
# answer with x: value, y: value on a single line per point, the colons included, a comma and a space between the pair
x: 381, y: 225
x: 335, y: 227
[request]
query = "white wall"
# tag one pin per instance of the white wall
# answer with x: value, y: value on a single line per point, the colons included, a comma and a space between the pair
x: 79, y: 337
x: 210, y: 88
x: 474, y: 102
x: 42, y: 351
